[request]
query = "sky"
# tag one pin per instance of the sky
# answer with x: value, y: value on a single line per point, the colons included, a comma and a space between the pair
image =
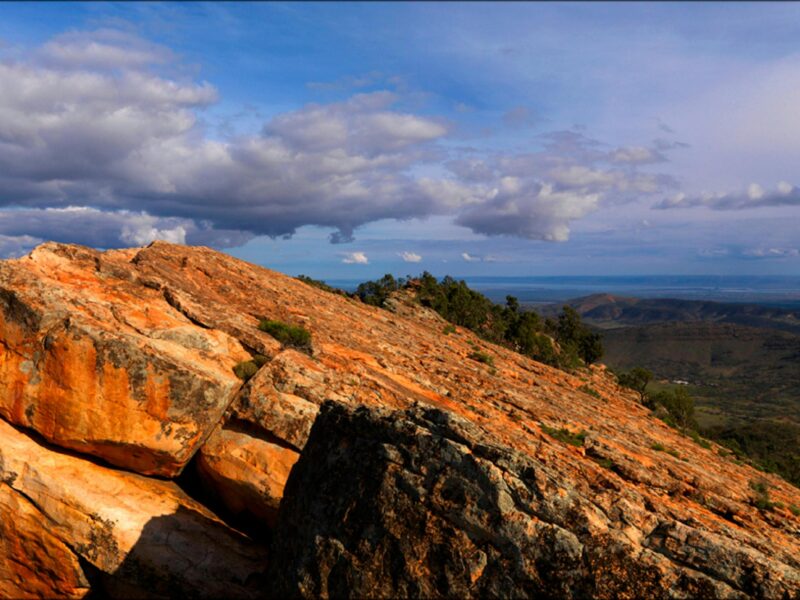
x: 345, y: 141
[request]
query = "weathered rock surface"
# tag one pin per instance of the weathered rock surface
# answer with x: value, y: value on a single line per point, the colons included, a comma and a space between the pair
x: 422, y: 503
x: 128, y: 356
x: 34, y: 563
x: 138, y: 537
x: 247, y: 473
x: 94, y: 360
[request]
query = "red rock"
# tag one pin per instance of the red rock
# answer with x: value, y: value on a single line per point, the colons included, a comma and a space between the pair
x: 34, y: 563
x: 95, y: 361
x: 132, y: 530
x: 248, y: 473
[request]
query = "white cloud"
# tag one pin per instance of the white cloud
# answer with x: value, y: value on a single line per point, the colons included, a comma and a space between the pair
x: 107, y: 229
x: 355, y: 258
x: 470, y: 258
x: 410, y: 257
x: 85, y: 120
x: 104, y: 48
x: 755, y: 196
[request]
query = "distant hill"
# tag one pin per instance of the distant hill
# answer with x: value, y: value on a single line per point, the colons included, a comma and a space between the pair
x: 606, y: 310
x: 741, y: 363
x: 746, y: 371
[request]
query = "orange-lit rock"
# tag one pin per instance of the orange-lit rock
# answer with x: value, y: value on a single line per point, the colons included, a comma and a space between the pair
x: 34, y: 563
x: 95, y: 361
x: 247, y: 473
x: 133, y: 531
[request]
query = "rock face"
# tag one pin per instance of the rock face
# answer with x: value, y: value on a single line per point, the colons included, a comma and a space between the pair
x: 96, y: 361
x: 60, y: 512
x: 421, y: 503
x: 248, y: 473
x: 431, y: 474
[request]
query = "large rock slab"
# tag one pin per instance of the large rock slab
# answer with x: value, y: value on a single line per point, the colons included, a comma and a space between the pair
x: 423, y: 503
x: 138, y: 537
x: 34, y: 563
x: 246, y: 472
x: 95, y: 361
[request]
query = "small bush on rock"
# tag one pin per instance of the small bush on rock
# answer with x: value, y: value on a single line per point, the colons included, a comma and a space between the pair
x: 565, y: 435
x: 246, y: 369
x: 292, y: 336
x: 482, y: 357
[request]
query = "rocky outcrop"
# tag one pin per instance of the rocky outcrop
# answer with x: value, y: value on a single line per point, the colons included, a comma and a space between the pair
x: 66, y: 521
x: 454, y: 477
x: 422, y: 503
x: 94, y: 360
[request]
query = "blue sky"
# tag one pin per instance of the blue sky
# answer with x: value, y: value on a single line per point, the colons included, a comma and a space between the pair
x: 471, y: 139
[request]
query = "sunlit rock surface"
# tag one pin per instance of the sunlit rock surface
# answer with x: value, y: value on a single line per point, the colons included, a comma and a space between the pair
x: 117, y: 369
x: 60, y: 511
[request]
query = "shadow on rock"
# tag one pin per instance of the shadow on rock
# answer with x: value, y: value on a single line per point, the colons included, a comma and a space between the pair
x: 184, y: 555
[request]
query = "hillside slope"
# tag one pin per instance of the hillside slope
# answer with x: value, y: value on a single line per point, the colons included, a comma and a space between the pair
x: 608, y: 310
x: 425, y: 472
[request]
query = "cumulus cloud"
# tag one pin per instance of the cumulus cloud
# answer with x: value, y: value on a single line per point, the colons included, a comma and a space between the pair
x: 410, y: 257
x: 528, y: 209
x: 88, y: 120
x: 470, y: 258
x: 355, y: 258
x: 755, y: 196
x: 107, y: 229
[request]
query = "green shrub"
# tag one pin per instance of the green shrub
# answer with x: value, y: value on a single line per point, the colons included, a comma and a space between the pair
x: 377, y: 292
x: 761, y: 499
x: 260, y: 360
x: 520, y: 330
x: 587, y: 389
x: 575, y: 338
x: 662, y: 448
x: 606, y: 463
x: 637, y: 380
x: 293, y: 336
x: 679, y: 406
x: 795, y: 510
x: 565, y: 435
x: 482, y: 357
x: 698, y: 439
x: 448, y: 329
x: 245, y: 369
x: 320, y: 285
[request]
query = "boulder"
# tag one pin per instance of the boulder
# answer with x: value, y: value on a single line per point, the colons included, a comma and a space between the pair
x: 421, y: 502
x: 95, y: 361
x: 67, y: 521
x: 34, y: 563
x: 246, y: 473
